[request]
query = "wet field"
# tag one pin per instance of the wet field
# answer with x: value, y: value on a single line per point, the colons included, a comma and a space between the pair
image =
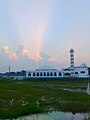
x: 33, y: 96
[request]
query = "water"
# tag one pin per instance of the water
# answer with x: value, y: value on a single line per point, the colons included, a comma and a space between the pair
x: 55, y: 115
x: 88, y: 89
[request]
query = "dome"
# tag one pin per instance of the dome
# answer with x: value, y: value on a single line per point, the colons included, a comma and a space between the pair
x: 45, y: 68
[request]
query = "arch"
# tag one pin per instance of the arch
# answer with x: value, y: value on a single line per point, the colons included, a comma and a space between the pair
x: 60, y: 74
x: 41, y: 74
x: 51, y: 74
x: 34, y: 74
x: 48, y: 74
x: 44, y: 74
x: 67, y: 74
x: 29, y: 74
x: 37, y: 74
x: 55, y: 74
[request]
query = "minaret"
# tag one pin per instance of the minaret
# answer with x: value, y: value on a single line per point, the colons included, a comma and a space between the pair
x: 71, y: 57
x: 72, y: 62
x: 9, y: 69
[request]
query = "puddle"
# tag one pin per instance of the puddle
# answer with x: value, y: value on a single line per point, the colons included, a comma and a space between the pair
x: 55, y: 115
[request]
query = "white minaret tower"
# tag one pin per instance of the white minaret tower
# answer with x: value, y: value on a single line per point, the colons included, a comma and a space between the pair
x: 71, y: 57
x: 72, y: 62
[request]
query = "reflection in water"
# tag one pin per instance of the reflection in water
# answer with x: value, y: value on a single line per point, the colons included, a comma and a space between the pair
x: 57, y: 116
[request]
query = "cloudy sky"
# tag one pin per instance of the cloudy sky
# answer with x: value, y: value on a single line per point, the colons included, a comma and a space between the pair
x: 38, y: 32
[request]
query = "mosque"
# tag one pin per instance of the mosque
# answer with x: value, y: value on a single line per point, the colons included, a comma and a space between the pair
x: 46, y: 72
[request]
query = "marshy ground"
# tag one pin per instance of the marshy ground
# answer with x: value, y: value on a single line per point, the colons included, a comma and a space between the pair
x: 29, y: 96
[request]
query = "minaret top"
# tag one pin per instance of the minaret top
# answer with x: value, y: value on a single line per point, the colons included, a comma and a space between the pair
x: 71, y: 50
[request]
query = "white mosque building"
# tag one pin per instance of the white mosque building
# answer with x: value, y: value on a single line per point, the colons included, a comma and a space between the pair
x: 46, y: 72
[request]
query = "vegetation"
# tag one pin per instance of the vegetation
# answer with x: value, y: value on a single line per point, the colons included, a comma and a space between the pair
x: 18, y: 73
x: 28, y: 96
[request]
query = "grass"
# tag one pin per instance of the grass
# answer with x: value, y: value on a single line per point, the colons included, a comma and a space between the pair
x: 29, y: 96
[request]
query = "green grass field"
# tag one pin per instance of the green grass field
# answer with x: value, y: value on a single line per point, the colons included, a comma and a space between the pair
x: 28, y: 96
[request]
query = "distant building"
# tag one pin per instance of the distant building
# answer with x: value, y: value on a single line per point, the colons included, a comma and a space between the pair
x: 46, y: 71
x: 80, y: 72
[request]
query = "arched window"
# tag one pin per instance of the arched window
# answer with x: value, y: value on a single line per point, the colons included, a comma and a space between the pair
x: 67, y: 74
x: 44, y: 74
x: 34, y: 74
x: 29, y: 74
x: 55, y: 74
x: 60, y: 74
x: 40, y: 74
x: 48, y: 74
x: 51, y: 74
x: 37, y: 74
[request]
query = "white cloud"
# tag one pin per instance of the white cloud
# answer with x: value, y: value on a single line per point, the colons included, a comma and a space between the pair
x: 11, y: 55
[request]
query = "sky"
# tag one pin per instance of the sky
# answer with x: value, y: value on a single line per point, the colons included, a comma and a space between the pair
x: 34, y: 33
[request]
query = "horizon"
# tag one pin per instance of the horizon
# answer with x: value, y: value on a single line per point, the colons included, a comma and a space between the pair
x: 35, y: 32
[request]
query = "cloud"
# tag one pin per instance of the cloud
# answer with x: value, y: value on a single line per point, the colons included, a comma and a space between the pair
x: 31, y: 24
x: 54, y: 59
x: 11, y: 55
x: 57, y: 59
x: 31, y: 55
x: 6, y: 50
x: 18, y: 59
x: 44, y: 56
x: 16, y: 54
x: 21, y: 59
x: 21, y: 51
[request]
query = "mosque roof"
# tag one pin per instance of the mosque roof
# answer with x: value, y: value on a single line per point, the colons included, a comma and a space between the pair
x: 45, y: 68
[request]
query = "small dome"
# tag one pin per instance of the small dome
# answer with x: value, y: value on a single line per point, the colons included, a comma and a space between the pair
x: 45, y: 67
x: 71, y: 50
